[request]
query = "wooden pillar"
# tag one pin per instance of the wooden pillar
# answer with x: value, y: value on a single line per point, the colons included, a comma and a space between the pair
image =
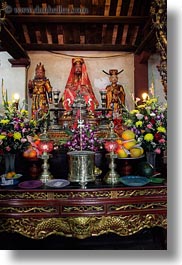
x: 141, y: 73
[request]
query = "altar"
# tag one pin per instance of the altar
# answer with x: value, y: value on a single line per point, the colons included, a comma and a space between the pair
x: 83, y: 144
x: 81, y: 213
x: 88, y: 206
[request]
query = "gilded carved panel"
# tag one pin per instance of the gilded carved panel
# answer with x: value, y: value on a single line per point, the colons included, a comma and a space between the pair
x: 82, y: 227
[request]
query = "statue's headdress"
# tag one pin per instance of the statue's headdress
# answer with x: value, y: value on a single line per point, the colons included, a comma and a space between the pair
x: 113, y: 72
x: 40, y: 67
x: 77, y: 61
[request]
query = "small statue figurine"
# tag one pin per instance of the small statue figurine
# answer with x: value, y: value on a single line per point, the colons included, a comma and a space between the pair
x: 78, y: 82
x: 40, y: 91
x: 115, y: 94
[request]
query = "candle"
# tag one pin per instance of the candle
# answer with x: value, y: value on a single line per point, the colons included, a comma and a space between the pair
x: 144, y: 96
x: 16, y: 97
x: 45, y: 147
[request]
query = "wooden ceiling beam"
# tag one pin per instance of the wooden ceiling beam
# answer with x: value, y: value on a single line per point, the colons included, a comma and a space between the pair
x: 144, y: 43
x: 22, y: 62
x: 78, y: 47
x: 10, y: 44
x: 77, y: 19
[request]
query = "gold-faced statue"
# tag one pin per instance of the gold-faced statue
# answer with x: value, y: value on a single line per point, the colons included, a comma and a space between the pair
x: 40, y: 91
x: 115, y: 94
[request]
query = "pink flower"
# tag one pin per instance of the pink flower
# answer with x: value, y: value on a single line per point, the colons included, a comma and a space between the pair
x: 157, y: 150
x: 149, y: 126
x: 8, y: 149
x: 146, y: 118
x: 23, y: 140
x: 162, y: 141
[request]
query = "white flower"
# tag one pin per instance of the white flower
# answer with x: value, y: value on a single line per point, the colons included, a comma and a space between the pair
x: 139, y: 116
x: 137, y: 100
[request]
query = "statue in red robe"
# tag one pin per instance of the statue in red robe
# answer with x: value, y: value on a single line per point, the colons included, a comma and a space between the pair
x: 78, y: 82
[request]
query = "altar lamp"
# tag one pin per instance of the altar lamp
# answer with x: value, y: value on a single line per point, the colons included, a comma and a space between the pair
x: 112, y: 177
x: 46, y: 146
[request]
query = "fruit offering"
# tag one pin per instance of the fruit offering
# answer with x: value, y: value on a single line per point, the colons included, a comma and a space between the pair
x: 128, y: 135
x: 10, y: 175
x: 30, y: 153
x: 33, y: 151
x: 10, y: 178
x: 128, y: 146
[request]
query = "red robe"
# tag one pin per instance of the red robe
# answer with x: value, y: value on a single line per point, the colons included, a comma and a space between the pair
x: 83, y: 85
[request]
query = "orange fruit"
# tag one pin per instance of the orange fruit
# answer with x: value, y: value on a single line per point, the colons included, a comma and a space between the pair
x: 122, y: 153
x: 26, y: 153
x: 142, y: 150
x: 10, y: 175
x: 128, y: 134
x: 119, y: 141
x: 129, y: 144
x: 135, y: 152
x: 32, y: 154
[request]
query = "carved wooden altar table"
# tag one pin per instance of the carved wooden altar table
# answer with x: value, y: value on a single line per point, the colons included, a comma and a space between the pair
x: 81, y: 213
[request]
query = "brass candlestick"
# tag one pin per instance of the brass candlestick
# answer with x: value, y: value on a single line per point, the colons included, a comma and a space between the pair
x: 56, y: 111
x: 46, y: 146
x: 111, y: 177
x: 45, y: 175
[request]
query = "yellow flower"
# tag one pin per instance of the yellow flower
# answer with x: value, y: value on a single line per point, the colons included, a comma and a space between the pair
x: 149, y: 137
x: 4, y: 122
x: 152, y: 100
x: 17, y: 136
x: 2, y: 136
x: 21, y: 124
x: 161, y: 129
x: 139, y: 124
x: 33, y: 122
x: 24, y: 112
x: 134, y: 111
x: 141, y: 106
x: 128, y: 122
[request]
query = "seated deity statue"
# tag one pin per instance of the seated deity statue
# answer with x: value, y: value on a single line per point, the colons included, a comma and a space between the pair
x: 40, y: 91
x: 78, y: 82
x: 115, y: 94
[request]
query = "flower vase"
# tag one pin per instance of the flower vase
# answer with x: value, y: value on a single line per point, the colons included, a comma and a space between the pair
x: 151, y: 158
x: 9, y: 162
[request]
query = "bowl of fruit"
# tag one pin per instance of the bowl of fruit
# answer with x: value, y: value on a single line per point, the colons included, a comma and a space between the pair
x: 128, y: 148
x: 10, y: 178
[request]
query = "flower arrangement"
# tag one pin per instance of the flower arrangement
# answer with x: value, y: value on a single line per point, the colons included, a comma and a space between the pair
x: 16, y: 130
x: 149, y: 122
x: 87, y: 140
